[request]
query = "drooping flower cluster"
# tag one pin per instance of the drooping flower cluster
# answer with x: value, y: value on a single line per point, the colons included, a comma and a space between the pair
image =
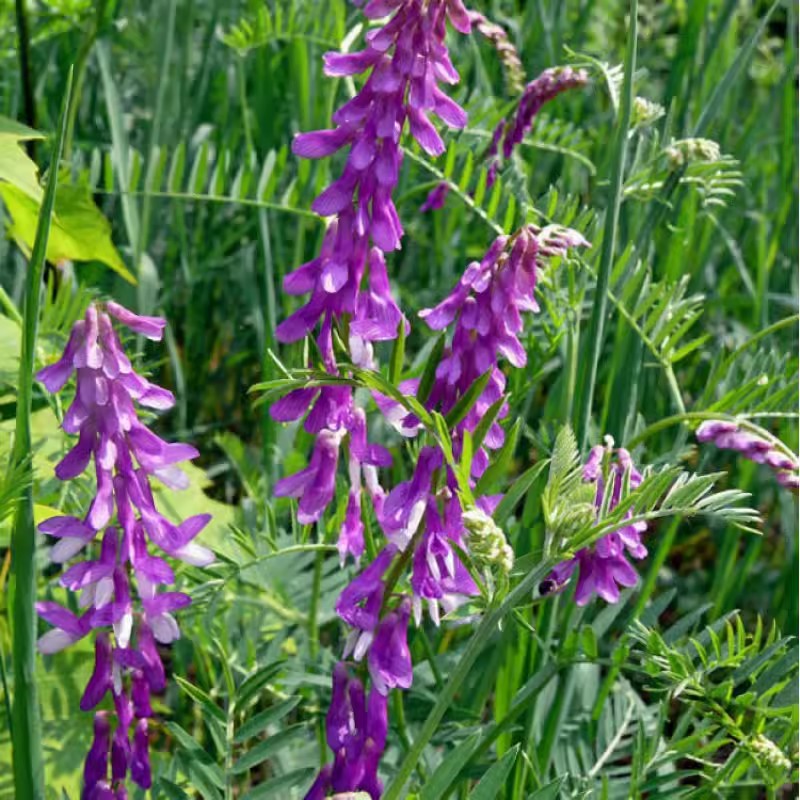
x: 124, y: 519
x: 727, y: 435
x: 509, y: 134
x: 604, y: 567
x: 348, y: 284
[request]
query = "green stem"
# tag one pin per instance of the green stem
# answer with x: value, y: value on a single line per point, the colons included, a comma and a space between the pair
x: 600, y: 306
x: 476, y: 645
x: 313, y: 624
x: 28, y: 778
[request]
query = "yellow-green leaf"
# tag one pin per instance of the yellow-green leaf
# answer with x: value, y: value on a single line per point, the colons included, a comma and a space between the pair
x: 79, y: 231
x: 16, y: 168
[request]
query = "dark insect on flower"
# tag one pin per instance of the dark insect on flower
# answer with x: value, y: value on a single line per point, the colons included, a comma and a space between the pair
x: 547, y: 586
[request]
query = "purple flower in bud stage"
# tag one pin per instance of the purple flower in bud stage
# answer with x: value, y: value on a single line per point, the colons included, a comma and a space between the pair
x: 126, y: 455
x: 356, y: 729
x: 95, y: 770
x: 508, y: 135
x: 604, y: 567
x: 346, y: 717
x: 728, y: 435
x: 389, y: 658
x: 436, y: 198
x: 140, y: 756
x: 322, y: 783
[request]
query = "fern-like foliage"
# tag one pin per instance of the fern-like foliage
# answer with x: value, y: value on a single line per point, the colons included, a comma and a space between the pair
x: 712, y: 175
x: 662, y: 314
x: 761, y: 382
x: 740, y: 688
x: 201, y: 174
x: 265, y: 23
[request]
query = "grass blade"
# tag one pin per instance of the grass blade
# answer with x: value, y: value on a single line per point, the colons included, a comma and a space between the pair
x: 28, y: 776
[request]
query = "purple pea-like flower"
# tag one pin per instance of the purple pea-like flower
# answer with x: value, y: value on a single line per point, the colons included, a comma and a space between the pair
x: 126, y: 455
x: 389, y: 658
x: 604, y: 567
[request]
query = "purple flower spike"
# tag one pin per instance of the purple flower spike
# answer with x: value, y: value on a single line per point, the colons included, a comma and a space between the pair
x: 125, y: 456
x: 727, y: 435
x: 389, y: 657
x: 486, y: 307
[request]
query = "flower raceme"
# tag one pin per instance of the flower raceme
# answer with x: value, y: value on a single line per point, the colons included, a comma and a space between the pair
x: 348, y: 284
x: 728, y: 435
x: 407, y: 59
x: 126, y: 456
x: 422, y: 518
x: 541, y: 90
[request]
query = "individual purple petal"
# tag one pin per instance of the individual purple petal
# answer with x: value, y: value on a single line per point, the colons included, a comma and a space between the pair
x: 351, y: 536
x: 57, y: 374
x: 360, y: 601
x: 293, y: 405
x: 319, y: 144
x: 149, y: 327
x: 389, y: 657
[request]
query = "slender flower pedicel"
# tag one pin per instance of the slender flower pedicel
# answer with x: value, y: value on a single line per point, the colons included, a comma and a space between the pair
x: 126, y: 455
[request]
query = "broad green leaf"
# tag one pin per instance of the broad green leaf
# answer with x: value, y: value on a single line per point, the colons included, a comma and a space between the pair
x: 79, y: 231
x: 16, y: 167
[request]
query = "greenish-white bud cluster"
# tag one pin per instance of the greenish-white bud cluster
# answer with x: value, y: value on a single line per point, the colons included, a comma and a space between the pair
x: 487, y: 542
x: 768, y: 753
x: 646, y: 112
x: 684, y: 151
